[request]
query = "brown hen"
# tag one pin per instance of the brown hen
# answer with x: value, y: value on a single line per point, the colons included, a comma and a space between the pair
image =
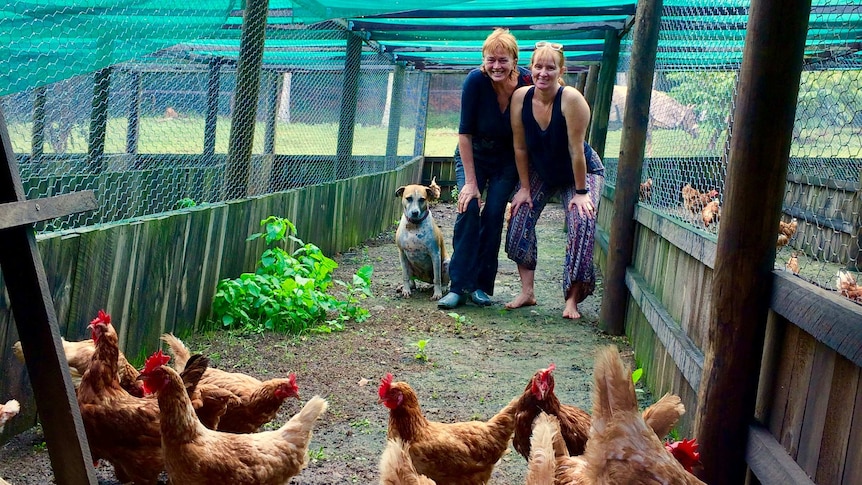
x: 250, y: 402
x: 452, y: 453
x: 196, y: 455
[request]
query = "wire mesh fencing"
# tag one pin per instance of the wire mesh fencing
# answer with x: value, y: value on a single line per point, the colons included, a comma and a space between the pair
x: 154, y: 133
x: 690, y: 128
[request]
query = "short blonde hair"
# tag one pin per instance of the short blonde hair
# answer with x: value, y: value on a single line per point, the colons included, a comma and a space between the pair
x: 501, y: 38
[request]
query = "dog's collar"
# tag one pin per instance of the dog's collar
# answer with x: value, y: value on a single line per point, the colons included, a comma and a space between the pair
x: 417, y: 221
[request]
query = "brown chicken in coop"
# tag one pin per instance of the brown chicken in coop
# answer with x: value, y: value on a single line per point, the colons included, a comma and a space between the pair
x: 452, y: 453
x: 792, y: 264
x: 711, y: 213
x: 574, y: 422
x: 196, y: 455
x: 646, y: 191
x: 786, y: 231
x: 846, y: 285
x: 250, y: 402
x: 78, y: 356
x: 694, y: 201
x: 621, y: 448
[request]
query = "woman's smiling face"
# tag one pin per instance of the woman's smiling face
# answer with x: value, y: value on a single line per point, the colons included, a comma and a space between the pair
x: 498, y: 64
x: 545, y: 70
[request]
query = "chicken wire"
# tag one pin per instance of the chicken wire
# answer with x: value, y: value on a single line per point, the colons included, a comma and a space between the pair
x: 690, y: 125
x: 159, y: 153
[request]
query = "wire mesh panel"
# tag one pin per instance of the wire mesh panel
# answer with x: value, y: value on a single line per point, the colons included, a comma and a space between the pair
x: 155, y: 132
x: 691, y: 120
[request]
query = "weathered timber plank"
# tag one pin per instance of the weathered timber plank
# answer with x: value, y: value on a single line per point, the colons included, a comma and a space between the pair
x: 91, y: 285
x: 816, y: 409
x: 236, y: 232
x: 825, y: 315
x: 195, y: 253
x: 853, y: 462
x: 30, y: 211
x: 780, y: 392
x: 60, y: 261
x: 121, y: 271
x: 797, y: 396
x: 770, y: 462
x: 839, y: 422
x: 699, y: 244
x: 687, y: 356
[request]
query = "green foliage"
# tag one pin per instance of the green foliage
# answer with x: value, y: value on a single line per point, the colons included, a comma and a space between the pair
x: 288, y: 291
x: 460, y: 321
x: 712, y: 94
x: 636, y: 376
x: 185, y: 203
x: 421, y: 353
x: 317, y: 455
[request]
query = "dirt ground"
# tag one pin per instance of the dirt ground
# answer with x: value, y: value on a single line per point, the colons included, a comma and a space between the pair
x: 477, y: 360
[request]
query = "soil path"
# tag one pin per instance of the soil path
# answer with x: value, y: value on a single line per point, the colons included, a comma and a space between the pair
x: 477, y: 360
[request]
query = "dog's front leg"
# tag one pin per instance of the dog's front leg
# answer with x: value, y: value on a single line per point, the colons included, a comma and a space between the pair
x: 406, y: 273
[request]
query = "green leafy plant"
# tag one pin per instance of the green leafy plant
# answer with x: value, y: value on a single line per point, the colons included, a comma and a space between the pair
x: 288, y: 291
x: 636, y: 377
x: 460, y: 321
x: 421, y: 353
x: 317, y: 455
x: 185, y: 203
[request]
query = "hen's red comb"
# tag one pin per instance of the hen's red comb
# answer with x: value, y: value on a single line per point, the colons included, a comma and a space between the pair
x: 549, y: 370
x: 102, y: 318
x: 685, y: 452
x: 155, y: 361
x: 385, y: 384
x: 292, y: 379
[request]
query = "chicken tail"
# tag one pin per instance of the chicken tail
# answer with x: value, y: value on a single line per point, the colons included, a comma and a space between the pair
x: 542, y: 463
x: 614, y: 391
x: 303, y: 421
x: 179, y: 350
x: 396, y: 467
x: 664, y: 414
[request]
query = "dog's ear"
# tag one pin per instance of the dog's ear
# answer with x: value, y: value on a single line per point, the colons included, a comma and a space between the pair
x: 400, y: 191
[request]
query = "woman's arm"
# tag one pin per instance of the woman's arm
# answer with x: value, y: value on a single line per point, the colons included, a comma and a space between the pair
x: 577, y: 114
x: 522, y: 157
x: 469, y: 114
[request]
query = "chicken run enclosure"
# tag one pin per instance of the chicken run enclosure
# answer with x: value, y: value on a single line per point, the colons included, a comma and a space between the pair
x: 144, y: 141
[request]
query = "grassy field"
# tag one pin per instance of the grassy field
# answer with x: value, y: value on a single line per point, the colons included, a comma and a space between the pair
x: 185, y: 136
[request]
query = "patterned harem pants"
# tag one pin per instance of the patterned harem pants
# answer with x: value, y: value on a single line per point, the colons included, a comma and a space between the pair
x: 578, y: 271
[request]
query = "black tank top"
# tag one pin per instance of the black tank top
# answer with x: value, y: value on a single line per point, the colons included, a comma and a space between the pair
x: 549, y: 149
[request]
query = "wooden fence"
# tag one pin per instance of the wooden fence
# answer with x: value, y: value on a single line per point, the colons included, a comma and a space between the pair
x: 158, y: 273
x: 807, y: 426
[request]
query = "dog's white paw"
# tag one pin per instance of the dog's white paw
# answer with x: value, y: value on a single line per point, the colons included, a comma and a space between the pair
x: 436, y: 296
x: 404, y: 290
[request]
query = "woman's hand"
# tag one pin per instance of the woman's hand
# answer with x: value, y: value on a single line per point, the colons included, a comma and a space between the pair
x: 467, y: 193
x: 584, y: 204
x: 522, y: 196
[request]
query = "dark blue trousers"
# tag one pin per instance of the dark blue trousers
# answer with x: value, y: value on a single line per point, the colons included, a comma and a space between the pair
x: 477, y: 234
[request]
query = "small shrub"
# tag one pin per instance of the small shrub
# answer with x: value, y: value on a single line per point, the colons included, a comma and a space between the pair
x: 288, y: 291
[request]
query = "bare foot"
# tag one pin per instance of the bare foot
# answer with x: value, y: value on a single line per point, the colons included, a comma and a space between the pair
x: 571, y: 311
x: 521, y: 300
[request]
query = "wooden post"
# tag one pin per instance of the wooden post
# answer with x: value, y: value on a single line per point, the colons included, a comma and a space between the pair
x: 37, y: 325
x: 422, y: 115
x: 605, y: 91
x: 213, y: 85
x: 622, y: 230
x: 274, y: 80
x: 745, y: 253
x: 590, y: 89
x: 581, y: 82
x: 248, y: 70
x: 38, y: 147
x: 133, y: 132
x: 347, y: 119
x: 99, y: 119
x: 395, y: 117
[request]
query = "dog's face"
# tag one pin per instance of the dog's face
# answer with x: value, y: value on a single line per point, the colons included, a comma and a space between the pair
x: 415, y: 200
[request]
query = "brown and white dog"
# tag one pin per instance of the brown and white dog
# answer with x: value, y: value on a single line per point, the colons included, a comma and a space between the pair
x: 420, y: 240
